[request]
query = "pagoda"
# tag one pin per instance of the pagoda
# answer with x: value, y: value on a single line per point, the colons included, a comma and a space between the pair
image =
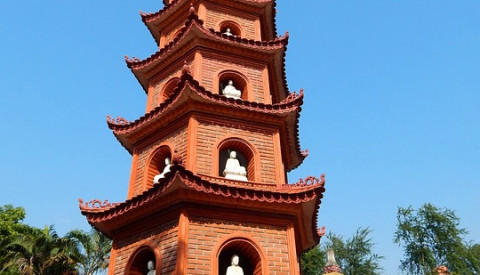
x: 208, y: 191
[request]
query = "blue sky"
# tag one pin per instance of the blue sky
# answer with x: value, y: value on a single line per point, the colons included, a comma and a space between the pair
x: 391, y: 112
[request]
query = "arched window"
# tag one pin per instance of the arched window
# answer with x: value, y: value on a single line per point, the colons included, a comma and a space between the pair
x: 250, y: 255
x: 246, y: 156
x: 168, y: 89
x: 230, y: 28
x: 156, y: 164
x: 238, y: 81
x: 138, y: 262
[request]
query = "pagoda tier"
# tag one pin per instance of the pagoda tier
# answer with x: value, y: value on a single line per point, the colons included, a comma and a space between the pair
x: 208, y: 187
x: 190, y: 99
x: 213, y: 197
x: 259, y: 14
x: 199, y: 41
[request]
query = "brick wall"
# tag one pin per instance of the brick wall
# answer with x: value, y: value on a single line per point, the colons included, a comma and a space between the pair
x: 204, y: 233
x: 212, y: 66
x: 164, y: 236
x: 179, y: 140
x: 174, y: 25
x: 171, y: 34
x: 209, y: 133
x: 215, y: 16
x: 157, y: 96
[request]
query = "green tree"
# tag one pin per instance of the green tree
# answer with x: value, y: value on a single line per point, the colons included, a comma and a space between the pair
x: 10, y: 226
x: 42, y: 252
x: 314, y: 260
x: 431, y: 237
x: 354, y: 255
x: 95, y: 248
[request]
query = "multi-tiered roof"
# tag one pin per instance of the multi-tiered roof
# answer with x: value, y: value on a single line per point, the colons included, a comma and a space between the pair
x: 192, y: 104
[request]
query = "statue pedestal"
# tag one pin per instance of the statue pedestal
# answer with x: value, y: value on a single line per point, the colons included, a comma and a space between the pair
x: 236, y: 177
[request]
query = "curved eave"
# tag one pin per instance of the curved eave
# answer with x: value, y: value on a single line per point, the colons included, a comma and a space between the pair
x: 194, y: 30
x: 288, y: 111
x: 307, y: 197
x: 151, y: 20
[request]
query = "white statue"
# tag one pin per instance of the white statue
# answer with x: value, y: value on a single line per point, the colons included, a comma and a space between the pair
x: 228, y: 32
x: 233, y: 169
x: 157, y: 178
x: 150, y: 267
x: 231, y: 92
x: 234, y: 269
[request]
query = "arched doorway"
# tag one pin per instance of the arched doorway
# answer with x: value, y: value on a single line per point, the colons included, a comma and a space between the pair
x: 138, y: 262
x: 251, y: 258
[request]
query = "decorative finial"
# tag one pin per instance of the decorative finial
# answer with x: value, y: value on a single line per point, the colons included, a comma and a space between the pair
x: 331, y: 265
x: 177, y: 159
x: 331, y: 257
x: 186, y: 68
x: 192, y: 9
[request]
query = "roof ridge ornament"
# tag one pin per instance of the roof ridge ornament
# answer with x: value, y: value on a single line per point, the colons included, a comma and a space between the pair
x: 286, y: 35
x: 186, y: 68
x: 321, y: 231
x: 309, y: 181
x: 294, y: 95
x: 192, y: 9
x: 133, y: 59
x: 117, y: 121
x: 177, y: 159
x: 95, y: 204
x: 142, y: 13
x: 193, y: 16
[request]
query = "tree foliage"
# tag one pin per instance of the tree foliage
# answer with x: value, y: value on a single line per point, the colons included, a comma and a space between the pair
x: 28, y: 250
x: 95, y: 249
x: 40, y: 252
x: 314, y: 260
x: 431, y: 237
x: 354, y: 255
x: 10, y: 227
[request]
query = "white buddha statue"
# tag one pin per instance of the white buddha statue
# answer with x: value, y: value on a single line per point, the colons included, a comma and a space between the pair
x: 234, y: 268
x: 231, y: 92
x: 157, y: 178
x: 228, y: 32
x: 151, y: 270
x: 233, y: 169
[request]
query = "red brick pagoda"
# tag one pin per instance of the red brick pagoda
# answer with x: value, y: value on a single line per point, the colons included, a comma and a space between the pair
x: 210, y: 156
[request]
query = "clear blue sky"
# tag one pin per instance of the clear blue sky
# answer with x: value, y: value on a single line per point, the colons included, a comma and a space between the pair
x: 391, y: 113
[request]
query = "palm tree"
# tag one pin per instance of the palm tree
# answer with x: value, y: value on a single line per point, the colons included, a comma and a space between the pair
x: 42, y: 252
x: 95, y: 248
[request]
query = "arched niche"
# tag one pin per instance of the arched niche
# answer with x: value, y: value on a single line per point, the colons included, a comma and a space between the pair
x: 246, y: 154
x: 137, y: 263
x: 252, y: 259
x: 177, y: 33
x: 235, y: 28
x: 239, y: 81
x: 168, y: 88
x: 156, y: 162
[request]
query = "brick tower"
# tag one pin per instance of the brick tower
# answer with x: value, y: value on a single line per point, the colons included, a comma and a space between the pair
x: 216, y: 86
